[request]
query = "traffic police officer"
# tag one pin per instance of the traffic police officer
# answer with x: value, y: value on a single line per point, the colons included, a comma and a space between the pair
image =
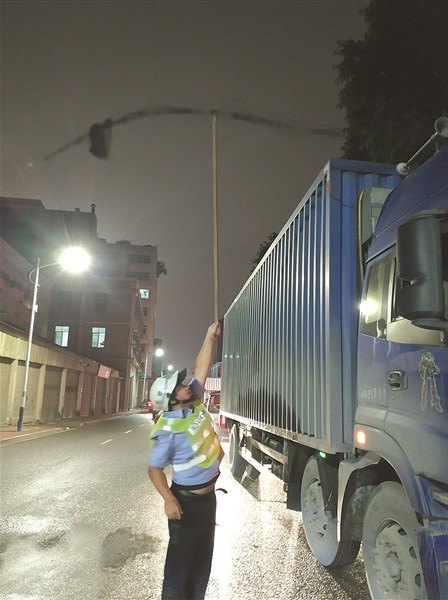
x: 185, y: 438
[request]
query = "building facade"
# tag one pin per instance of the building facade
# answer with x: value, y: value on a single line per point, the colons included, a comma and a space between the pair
x: 60, y: 383
x: 16, y: 291
x: 106, y: 315
x: 102, y: 318
x: 137, y: 263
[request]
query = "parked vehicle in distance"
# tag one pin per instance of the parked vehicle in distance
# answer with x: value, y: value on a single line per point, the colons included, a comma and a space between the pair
x: 146, y: 406
x: 212, y: 404
x: 212, y: 396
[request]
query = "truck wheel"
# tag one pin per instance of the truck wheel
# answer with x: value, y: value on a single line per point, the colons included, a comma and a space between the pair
x: 237, y: 463
x: 389, y: 545
x: 321, y: 528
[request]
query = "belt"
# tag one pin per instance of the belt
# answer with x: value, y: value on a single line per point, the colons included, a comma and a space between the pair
x: 210, y: 489
x: 192, y: 494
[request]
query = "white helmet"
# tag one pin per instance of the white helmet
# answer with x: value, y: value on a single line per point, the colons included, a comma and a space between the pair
x: 163, y: 387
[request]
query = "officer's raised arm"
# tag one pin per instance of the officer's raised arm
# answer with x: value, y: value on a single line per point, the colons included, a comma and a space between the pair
x: 205, y: 356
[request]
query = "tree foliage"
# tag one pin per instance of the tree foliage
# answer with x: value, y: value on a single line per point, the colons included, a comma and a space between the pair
x: 263, y: 248
x: 395, y: 80
x: 161, y: 269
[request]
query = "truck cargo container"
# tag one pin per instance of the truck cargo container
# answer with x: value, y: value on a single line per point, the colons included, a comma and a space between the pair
x: 335, y: 371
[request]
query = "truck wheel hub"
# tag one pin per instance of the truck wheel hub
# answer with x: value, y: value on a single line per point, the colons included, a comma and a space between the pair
x: 396, y: 562
x: 315, y: 509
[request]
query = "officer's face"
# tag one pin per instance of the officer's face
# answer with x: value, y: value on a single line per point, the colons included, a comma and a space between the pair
x: 182, y: 393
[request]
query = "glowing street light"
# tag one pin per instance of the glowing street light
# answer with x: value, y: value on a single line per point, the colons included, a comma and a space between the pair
x: 166, y: 369
x: 74, y: 260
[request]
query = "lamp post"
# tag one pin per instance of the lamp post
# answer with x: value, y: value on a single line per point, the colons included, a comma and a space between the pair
x: 158, y: 352
x: 74, y: 260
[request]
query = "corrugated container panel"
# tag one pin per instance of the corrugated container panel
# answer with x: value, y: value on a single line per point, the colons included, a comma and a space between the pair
x: 289, y: 348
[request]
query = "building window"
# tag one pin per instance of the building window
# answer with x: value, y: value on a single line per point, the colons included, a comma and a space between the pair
x: 101, y: 302
x: 98, y: 337
x: 144, y: 294
x: 61, y: 335
x: 138, y: 274
x: 139, y: 258
x: 145, y: 311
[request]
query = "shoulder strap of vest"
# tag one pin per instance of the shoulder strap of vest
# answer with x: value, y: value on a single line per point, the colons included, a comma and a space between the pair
x: 180, y: 424
x: 161, y: 422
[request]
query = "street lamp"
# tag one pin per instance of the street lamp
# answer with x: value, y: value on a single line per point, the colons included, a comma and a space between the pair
x: 158, y: 352
x: 74, y: 260
x: 164, y: 370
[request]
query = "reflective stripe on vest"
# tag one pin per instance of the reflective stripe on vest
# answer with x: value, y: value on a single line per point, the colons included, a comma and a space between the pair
x: 200, y: 434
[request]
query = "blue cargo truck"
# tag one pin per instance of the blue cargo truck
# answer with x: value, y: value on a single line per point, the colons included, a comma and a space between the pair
x: 335, y: 371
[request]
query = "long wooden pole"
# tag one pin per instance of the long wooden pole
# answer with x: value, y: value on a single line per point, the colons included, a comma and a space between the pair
x: 215, y: 219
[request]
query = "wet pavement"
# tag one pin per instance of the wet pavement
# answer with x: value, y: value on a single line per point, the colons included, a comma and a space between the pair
x: 80, y: 520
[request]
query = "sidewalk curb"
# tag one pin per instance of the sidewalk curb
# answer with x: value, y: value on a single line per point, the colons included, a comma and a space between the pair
x: 32, y: 435
x: 10, y: 436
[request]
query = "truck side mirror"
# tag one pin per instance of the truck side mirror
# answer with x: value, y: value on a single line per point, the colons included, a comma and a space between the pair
x: 419, y: 266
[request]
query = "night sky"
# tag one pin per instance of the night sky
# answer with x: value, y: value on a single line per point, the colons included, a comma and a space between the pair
x: 66, y: 65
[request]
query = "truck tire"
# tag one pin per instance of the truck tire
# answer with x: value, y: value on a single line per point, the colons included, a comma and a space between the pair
x: 389, y: 545
x: 236, y: 461
x: 320, y: 528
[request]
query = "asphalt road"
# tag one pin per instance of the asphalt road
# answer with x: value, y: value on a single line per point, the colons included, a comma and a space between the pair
x: 80, y: 520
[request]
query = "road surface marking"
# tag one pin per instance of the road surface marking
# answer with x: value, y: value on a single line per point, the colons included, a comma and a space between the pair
x: 144, y: 425
x: 129, y: 431
x: 106, y: 442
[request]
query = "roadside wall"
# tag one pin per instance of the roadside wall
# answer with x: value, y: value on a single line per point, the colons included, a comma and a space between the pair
x: 61, y: 384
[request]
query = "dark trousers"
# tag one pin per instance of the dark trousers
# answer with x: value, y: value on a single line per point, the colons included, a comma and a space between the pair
x: 190, y: 549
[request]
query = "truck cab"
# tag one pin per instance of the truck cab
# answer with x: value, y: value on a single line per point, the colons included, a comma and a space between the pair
x: 401, y: 416
x: 335, y: 368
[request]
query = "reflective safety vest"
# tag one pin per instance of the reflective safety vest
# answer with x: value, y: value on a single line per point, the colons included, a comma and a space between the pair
x: 200, y: 434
